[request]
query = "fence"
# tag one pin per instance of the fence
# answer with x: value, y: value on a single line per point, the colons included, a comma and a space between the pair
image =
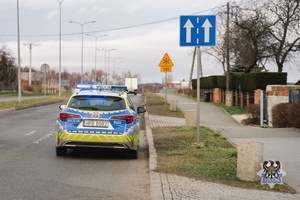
x: 8, y: 86
x: 240, y: 99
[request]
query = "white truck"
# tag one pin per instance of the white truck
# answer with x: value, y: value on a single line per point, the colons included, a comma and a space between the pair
x: 132, y: 85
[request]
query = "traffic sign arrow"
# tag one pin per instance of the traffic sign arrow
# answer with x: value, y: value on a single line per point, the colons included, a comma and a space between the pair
x: 198, y: 30
x: 188, y: 27
x: 206, y: 25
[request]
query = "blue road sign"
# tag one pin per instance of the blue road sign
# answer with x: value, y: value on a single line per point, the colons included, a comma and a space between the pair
x: 198, y: 30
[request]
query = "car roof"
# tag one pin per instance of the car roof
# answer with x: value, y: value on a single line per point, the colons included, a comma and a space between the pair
x: 105, y: 90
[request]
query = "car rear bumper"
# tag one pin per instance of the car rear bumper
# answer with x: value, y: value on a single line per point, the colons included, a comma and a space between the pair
x: 73, y: 140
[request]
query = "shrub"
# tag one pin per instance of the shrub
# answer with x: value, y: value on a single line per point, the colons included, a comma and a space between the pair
x: 28, y: 88
x: 254, y: 110
x: 286, y: 115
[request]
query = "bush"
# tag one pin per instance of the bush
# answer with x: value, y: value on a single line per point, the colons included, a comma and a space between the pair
x: 28, y: 88
x: 286, y: 115
x: 254, y: 110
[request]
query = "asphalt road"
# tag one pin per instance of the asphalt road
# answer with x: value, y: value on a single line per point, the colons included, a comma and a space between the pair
x: 29, y: 168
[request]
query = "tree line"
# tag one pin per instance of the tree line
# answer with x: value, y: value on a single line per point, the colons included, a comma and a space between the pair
x: 257, y: 32
x: 9, y: 73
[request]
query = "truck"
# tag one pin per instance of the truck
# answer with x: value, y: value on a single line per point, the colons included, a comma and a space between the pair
x: 132, y: 85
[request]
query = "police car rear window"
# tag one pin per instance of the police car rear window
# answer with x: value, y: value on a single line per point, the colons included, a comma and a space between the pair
x: 101, y: 103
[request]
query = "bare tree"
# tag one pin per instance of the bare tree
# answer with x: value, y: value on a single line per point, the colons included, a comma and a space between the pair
x: 250, y: 35
x: 219, y: 51
x: 285, y: 30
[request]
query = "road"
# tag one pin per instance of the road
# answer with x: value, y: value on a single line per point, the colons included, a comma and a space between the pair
x: 29, y: 168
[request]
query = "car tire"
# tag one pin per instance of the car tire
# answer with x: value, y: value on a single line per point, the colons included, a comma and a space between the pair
x: 61, y: 151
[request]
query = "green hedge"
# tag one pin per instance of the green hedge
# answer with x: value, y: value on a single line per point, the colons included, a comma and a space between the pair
x: 247, y: 82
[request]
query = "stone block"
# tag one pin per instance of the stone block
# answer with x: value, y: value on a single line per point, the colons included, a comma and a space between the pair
x: 173, y: 105
x: 249, y: 159
x: 190, y: 118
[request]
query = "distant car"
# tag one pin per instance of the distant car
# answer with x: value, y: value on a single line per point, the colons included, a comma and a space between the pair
x: 100, y: 117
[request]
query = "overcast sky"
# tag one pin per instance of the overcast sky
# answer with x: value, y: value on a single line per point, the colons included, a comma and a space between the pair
x: 142, y: 31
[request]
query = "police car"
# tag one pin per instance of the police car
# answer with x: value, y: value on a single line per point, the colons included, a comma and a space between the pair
x: 99, y: 116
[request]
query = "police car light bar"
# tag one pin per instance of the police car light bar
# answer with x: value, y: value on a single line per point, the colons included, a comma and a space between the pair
x: 102, y: 87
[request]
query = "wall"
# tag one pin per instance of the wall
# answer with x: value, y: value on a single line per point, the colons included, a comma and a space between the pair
x: 277, y: 94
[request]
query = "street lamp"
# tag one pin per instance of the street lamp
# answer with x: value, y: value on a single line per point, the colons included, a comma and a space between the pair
x: 96, y: 38
x: 19, y: 53
x: 59, y: 75
x: 114, y: 60
x: 82, y: 25
x: 108, y: 50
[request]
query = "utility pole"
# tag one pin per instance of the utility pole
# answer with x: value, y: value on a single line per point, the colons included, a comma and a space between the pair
x: 228, y: 99
x: 30, y: 46
x: 192, y: 68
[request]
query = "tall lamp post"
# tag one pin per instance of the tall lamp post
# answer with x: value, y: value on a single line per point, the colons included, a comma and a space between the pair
x: 96, y: 39
x: 19, y: 53
x: 59, y: 74
x: 82, y: 25
x: 108, y: 50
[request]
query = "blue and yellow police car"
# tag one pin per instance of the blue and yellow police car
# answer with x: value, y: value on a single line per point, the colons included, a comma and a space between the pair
x: 100, y: 116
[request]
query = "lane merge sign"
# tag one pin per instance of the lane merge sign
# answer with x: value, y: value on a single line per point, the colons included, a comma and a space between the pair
x: 198, y: 30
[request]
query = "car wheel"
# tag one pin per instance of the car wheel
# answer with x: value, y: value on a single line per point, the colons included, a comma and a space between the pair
x: 61, y: 151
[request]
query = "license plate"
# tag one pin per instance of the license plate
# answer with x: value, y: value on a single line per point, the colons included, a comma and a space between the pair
x: 95, y: 123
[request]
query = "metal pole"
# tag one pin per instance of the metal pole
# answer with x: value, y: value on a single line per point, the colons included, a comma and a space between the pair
x: 166, y: 91
x: 198, y: 93
x: 19, y: 54
x: 82, y: 25
x: 105, y: 67
x: 59, y: 75
x: 81, y: 76
x: 96, y: 41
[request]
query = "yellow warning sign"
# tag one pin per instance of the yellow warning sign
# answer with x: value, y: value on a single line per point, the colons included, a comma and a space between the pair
x: 165, y: 69
x: 166, y: 61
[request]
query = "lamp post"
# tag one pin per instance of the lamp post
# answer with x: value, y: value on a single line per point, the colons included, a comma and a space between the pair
x: 19, y: 53
x: 109, y: 50
x: 82, y: 25
x: 96, y: 39
x: 59, y: 74
x: 114, y: 65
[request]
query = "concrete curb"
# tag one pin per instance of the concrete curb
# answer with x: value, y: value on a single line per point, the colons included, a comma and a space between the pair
x: 155, y: 181
x: 6, y: 111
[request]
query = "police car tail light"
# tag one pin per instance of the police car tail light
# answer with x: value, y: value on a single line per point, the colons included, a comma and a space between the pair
x: 63, y: 116
x: 127, y: 118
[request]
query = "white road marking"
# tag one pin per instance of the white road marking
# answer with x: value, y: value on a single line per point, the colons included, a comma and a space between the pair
x: 30, y: 133
x: 43, y: 138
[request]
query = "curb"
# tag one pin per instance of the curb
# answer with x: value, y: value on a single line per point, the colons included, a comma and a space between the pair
x: 6, y: 111
x: 155, y: 181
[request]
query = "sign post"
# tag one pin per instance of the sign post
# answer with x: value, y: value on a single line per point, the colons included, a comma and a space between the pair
x: 198, y: 31
x: 166, y: 65
x: 45, y: 68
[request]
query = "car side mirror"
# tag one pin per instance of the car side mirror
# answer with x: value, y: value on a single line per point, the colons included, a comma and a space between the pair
x: 141, y: 110
x: 62, y: 106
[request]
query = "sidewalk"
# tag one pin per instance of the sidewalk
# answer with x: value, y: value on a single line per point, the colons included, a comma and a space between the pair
x: 279, y: 144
